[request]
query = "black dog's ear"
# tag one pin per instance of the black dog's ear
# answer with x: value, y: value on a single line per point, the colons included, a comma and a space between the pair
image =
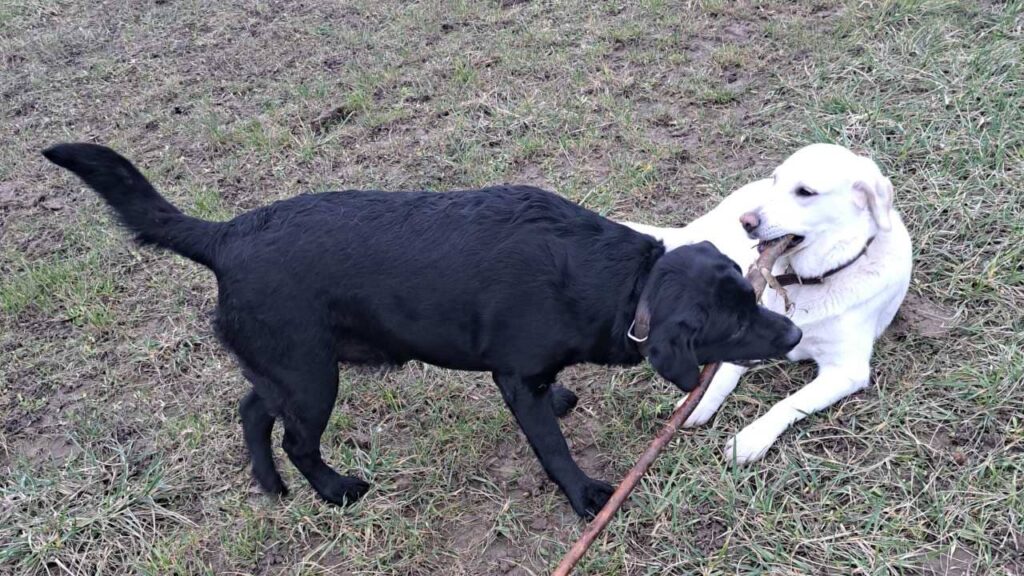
x: 673, y: 357
x: 672, y: 317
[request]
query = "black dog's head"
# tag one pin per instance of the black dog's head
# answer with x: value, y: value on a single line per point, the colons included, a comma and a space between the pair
x: 699, y: 309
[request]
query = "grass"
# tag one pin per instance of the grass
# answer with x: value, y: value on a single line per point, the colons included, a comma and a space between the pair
x: 119, y: 442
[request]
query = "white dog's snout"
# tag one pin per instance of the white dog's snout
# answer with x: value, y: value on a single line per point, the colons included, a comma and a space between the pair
x: 750, y: 220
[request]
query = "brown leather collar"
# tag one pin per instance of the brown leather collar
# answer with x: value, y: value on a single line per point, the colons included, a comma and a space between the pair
x: 640, y: 330
x: 791, y: 278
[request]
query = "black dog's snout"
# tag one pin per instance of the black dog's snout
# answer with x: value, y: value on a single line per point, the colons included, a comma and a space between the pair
x: 750, y: 221
x: 792, y: 337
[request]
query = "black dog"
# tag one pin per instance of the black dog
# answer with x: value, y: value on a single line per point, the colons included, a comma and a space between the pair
x: 510, y: 280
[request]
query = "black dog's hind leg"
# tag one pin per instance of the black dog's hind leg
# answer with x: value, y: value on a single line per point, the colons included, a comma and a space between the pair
x: 563, y: 400
x: 530, y: 400
x: 306, y: 410
x: 257, y: 424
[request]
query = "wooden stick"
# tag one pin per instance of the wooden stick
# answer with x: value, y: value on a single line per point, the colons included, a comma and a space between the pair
x: 758, y: 277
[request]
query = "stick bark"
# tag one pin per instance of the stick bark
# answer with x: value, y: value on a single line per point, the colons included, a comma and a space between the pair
x: 757, y: 275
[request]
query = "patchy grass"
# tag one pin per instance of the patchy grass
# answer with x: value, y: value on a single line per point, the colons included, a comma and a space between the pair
x: 119, y: 442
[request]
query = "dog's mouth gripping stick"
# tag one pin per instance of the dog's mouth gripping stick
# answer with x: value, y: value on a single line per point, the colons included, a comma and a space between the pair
x: 759, y: 279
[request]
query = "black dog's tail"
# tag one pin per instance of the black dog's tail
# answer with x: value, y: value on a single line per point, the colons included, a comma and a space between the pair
x: 140, y: 207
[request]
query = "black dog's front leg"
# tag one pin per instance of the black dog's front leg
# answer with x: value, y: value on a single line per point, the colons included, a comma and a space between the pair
x: 530, y: 402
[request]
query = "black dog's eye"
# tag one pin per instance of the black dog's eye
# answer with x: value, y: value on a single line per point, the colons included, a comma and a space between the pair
x: 740, y: 330
x: 805, y: 193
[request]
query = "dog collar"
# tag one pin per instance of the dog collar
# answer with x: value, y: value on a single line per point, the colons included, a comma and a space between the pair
x: 640, y: 328
x: 792, y: 278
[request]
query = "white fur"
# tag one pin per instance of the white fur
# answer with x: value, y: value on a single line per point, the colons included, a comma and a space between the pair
x: 840, y: 318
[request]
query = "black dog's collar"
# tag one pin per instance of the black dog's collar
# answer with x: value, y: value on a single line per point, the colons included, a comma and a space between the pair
x: 640, y: 329
x: 792, y: 278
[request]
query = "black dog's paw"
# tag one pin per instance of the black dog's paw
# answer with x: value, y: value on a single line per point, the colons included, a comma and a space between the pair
x: 344, y: 490
x: 590, y: 497
x: 274, y: 486
x: 270, y: 482
x: 563, y: 400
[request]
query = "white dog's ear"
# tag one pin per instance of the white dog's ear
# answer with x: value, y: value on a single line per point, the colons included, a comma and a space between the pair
x: 875, y: 192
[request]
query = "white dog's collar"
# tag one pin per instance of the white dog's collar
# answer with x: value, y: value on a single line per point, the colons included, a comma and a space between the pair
x: 793, y: 278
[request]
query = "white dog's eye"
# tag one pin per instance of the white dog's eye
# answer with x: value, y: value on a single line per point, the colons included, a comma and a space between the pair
x: 805, y: 193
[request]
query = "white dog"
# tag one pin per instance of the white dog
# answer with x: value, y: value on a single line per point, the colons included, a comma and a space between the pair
x: 846, y: 277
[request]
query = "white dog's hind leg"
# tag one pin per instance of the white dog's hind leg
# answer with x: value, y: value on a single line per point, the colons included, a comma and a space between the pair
x: 722, y: 385
x: 832, y: 385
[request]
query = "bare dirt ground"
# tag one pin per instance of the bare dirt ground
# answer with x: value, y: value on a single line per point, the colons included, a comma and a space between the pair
x: 120, y: 449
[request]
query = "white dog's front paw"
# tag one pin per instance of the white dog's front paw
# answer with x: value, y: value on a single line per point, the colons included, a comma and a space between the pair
x: 701, y: 414
x: 750, y: 445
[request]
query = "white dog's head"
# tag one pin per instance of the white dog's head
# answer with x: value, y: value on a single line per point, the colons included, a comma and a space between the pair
x: 832, y: 199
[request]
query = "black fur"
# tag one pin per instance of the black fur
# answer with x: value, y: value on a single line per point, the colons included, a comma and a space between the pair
x: 510, y: 280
